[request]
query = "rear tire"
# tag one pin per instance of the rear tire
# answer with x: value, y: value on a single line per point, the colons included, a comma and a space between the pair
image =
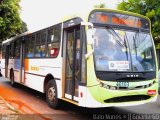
x: 12, y: 79
x: 51, y: 94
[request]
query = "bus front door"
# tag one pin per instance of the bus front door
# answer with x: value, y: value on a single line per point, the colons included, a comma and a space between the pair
x: 7, y: 60
x: 72, y: 63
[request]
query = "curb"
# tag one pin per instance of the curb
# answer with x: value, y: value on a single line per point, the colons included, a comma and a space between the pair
x: 9, y: 106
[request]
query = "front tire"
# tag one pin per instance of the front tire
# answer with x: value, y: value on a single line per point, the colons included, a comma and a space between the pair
x: 51, y: 94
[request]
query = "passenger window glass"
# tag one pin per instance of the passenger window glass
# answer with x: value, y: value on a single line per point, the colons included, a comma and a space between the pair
x: 53, y: 49
x: 38, y: 38
x: 43, y: 38
x: 57, y: 35
x: 30, y: 44
x: 50, y: 36
x: 3, y: 51
x: 11, y: 50
x: 40, y: 51
x: 53, y: 42
x: 17, y: 49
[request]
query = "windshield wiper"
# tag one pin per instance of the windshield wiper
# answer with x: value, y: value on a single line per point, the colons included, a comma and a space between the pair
x: 126, y: 43
x: 118, y: 39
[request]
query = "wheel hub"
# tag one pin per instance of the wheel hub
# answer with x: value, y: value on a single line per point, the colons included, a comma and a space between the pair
x: 51, y: 94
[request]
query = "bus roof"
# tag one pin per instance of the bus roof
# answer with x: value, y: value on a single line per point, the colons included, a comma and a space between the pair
x: 15, y: 37
x: 84, y: 17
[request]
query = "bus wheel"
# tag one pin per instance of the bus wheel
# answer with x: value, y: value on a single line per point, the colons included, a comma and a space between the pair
x: 12, y: 79
x: 51, y: 94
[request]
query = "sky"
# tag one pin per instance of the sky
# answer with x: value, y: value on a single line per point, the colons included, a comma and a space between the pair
x: 39, y: 14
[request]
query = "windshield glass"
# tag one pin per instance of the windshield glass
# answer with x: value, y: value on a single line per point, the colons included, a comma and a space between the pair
x: 123, y: 50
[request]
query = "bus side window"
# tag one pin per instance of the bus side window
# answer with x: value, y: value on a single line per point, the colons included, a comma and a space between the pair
x: 3, y: 51
x: 37, y: 51
x: 38, y: 38
x: 11, y: 50
x: 43, y: 44
x: 40, y: 51
x: 40, y: 44
x: 30, y: 46
x: 53, y: 42
x: 17, y: 49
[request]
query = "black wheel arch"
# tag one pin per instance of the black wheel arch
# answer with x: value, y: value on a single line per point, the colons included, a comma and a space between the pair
x: 55, y: 102
x: 46, y: 80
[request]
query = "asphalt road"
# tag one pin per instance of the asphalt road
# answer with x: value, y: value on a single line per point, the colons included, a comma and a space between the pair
x: 32, y: 104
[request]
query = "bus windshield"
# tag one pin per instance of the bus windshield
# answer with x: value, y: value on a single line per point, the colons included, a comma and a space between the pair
x: 123, y: 50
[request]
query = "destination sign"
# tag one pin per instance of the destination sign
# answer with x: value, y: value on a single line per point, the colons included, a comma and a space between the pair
x: 125, y: 20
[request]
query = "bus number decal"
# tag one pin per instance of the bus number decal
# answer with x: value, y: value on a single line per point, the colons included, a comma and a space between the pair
x: 122, y: 84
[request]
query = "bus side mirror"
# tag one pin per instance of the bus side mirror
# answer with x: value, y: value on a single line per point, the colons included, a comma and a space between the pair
x: 90, y: 32
x: 90, y: 37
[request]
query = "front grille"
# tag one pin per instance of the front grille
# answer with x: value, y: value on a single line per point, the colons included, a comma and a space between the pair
x: 128, y: 88
x: 127, y: 98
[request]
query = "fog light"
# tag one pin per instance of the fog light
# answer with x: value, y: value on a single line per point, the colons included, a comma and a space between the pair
x: 113, y: 88
x: 106, y: 86
x: 154, y: 81
x: 101, y: 84
x: 150, y: 84
x: 146, y: 86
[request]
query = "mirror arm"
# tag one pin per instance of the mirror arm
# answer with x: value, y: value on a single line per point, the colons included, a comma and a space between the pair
x: 89, y: 54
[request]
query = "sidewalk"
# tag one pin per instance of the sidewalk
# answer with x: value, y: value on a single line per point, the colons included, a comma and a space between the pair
x: 6, y: 108
x: 8, y: 112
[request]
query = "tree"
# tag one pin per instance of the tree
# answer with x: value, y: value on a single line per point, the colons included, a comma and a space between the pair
x: 10, y: 21
x: 149, y: 8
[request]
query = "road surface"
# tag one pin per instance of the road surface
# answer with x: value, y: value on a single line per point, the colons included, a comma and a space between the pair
x: 32, y: 104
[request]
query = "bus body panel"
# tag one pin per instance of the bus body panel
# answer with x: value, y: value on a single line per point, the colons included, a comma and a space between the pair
x: 82, y: 96
x: 44, y: 67
x: 39, y: 70
x: 93, y: 103
x: 35, y: 75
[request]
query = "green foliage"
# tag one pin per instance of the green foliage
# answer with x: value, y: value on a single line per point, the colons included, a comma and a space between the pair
x: 149, y: 8
x: 10, y: 21
x: 102, y: 5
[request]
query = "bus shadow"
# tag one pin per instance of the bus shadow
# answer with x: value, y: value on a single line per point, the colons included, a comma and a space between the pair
x: 94, y: 113
x: 80, y: 112
x: 28, y: 90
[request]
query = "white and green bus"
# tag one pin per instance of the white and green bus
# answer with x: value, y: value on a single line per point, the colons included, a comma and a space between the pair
x: 106, y: 58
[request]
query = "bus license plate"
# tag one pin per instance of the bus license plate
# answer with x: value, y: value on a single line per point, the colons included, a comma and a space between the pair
x: 122, y: 84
